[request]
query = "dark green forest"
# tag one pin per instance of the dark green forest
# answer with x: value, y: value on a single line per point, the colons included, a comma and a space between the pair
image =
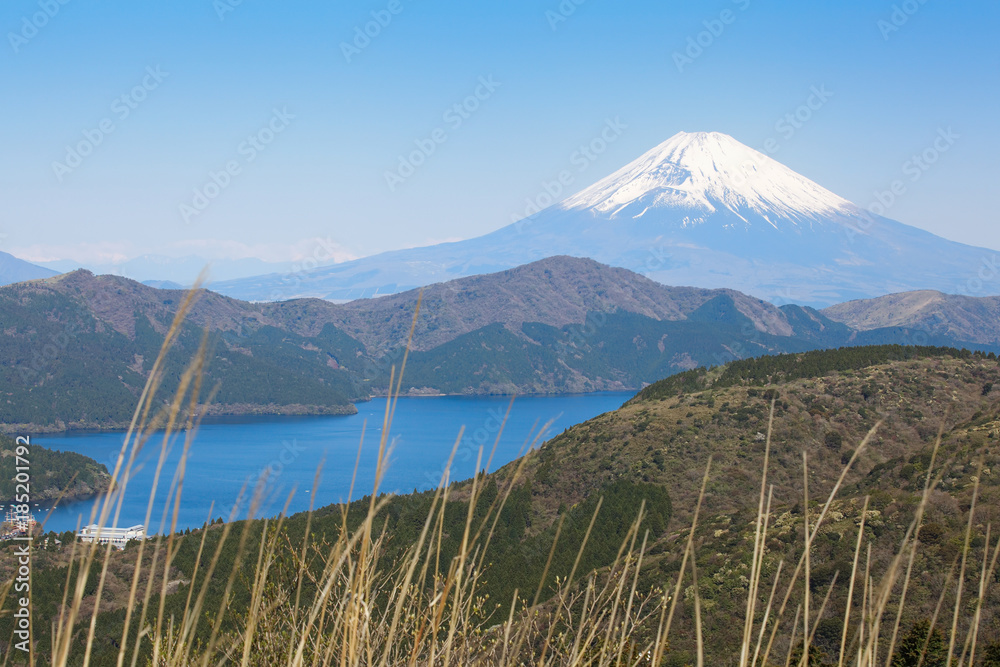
x: 52, y: 473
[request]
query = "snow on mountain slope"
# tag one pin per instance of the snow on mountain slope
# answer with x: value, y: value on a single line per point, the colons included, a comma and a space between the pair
x: 700, y: 209
x: 705, y: 172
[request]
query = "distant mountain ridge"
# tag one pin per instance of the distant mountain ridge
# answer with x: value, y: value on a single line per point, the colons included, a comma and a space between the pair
x: 558, y: 291
x: 14, y: 270
x: 184, y: 270
x: 77, y: 348
x: 700, y: 209
x: 974, y: 319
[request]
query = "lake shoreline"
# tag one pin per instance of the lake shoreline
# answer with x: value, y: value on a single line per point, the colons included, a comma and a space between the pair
x: 212, y: 411
x: 224, y: 412
x: 414, y: 392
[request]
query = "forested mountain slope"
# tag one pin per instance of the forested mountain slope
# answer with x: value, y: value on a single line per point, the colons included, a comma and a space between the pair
x: 76, y: 349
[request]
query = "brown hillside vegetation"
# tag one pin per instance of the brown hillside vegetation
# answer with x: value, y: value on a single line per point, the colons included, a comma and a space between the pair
x: 669, y: 442
x: 975, y: 319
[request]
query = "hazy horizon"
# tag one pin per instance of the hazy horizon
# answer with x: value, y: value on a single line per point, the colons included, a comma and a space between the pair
x: 296, y: 121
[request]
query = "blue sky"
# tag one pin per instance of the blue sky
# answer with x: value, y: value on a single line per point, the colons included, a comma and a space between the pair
x: 201, y: 78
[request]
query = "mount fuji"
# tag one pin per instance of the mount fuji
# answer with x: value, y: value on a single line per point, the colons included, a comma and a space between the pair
x: 700, y: 209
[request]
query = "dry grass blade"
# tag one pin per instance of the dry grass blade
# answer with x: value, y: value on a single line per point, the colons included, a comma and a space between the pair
x: 987, y: 576
x: 795, y: 633
x: 699, y: 635
x: 937, y: 612
x: 767, y: 613
x: 688, y: 551
x: 808, y: 550
x: 902, y: 601
x: 758, y: 544
x: 878, y: 605
x: 961, y: 571
x: 850, y: 589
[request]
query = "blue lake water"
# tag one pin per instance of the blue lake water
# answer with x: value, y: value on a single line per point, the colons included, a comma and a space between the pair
x: 228, y: 455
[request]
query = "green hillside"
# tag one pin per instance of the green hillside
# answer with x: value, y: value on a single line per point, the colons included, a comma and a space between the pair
x: 652, y: 453
x: 54, y: 474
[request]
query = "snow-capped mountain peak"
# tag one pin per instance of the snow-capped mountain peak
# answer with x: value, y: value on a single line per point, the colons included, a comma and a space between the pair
x: 707, y: 173
x: 699, y: 209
